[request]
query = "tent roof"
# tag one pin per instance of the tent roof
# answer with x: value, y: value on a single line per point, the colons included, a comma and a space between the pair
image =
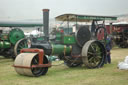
x: 19, y: 24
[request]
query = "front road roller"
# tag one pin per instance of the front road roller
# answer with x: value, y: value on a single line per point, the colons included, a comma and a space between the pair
x: 31, y: 62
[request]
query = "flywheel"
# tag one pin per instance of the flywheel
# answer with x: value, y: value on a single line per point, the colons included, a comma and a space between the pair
x: 83, y: 35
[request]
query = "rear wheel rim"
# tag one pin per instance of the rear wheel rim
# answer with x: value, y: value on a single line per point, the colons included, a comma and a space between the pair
x: 93, y: 54
x: 20, y: 45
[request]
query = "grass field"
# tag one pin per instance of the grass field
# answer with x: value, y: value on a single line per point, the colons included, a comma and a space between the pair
x: 62, y: 75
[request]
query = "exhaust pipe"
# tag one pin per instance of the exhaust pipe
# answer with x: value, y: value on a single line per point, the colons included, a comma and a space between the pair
x: 46, y: 23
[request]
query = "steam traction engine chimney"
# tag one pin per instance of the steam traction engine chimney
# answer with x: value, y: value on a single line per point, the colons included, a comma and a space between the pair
x: 46, y: 23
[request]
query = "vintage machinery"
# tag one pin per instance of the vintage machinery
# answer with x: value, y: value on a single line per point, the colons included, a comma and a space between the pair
x: 120, y: 35
x: 79, y: 48
x: 8, y: 40
x: 9, y: 37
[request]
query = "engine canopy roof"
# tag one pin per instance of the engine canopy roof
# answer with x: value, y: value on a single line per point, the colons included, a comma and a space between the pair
x: 83, y: 18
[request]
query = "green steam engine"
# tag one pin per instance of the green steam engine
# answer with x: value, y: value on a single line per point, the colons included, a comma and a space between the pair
x: 8, y: 41
x: 76, y: 48
x: 10, y: 36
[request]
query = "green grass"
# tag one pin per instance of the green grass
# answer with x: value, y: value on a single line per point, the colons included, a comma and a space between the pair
x: 62, y: 75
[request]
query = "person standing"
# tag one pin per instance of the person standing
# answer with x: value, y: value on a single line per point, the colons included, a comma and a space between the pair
x: 108, y: 49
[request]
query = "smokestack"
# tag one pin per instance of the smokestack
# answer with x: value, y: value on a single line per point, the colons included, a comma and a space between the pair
x: 46, y: 23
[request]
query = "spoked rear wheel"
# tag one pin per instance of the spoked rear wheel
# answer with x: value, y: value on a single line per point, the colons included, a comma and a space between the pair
x: 23, y: 43
x: 93, y: 54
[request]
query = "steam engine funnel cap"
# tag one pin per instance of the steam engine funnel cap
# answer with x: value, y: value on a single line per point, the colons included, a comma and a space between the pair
x: 45, y: 10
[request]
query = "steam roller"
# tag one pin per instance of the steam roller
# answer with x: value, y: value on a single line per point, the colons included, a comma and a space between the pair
x: 81, y: 48
x: 89, y: 53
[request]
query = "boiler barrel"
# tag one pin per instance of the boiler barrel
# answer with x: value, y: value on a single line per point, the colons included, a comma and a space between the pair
x: 53, y: 49
x: 5, y: 44
x: 61, y: 49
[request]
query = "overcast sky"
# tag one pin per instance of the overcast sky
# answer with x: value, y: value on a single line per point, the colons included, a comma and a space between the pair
x: 32, y: 9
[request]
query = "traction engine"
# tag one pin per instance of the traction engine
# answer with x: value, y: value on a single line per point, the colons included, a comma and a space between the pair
x: 75, y: 49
